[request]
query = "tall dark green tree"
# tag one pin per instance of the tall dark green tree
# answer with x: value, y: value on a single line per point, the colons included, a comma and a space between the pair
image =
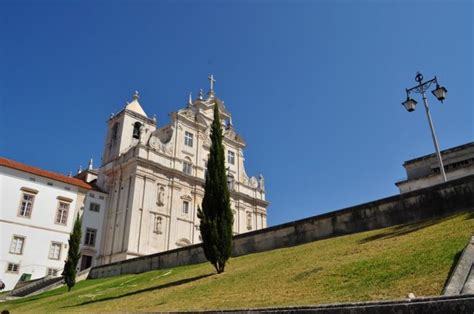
x: 216, y: 218
x: 73, y: 254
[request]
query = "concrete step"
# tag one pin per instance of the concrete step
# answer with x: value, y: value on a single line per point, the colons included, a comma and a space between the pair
x: 469, y: 285
x: 462, y: 278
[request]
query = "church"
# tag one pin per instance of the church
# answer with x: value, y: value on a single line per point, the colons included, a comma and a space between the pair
x: 154, y: 176
x: 141, y: 200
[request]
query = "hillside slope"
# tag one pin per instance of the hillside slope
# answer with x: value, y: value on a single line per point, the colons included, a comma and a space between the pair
x: 382, y: 264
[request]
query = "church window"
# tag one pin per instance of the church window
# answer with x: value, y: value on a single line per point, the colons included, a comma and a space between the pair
x: 61, y: 214
x: 16, y: 246
x: 157, y: 226
x: 230, y: 157
x: 136, y: 130
x: 26, y: 205
x: 90, y: 237
x: 94, y: 207
x: 114, y: 132
x: 187, y: 166
x: 188, y: 139
x: 249, y: 221
x: 55, y: 250
x: 185, y: 207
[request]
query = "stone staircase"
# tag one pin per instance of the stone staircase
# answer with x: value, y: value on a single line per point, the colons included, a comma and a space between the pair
x: 462, y: 278
x: 40, y: 285
x: 34, y: 285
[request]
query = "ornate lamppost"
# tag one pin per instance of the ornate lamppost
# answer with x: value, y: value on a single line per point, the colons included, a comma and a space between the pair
x: 440, y: 93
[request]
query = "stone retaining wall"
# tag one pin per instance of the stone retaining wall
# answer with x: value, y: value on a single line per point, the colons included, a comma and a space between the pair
x: 429, y: 305
x: 414, y: 206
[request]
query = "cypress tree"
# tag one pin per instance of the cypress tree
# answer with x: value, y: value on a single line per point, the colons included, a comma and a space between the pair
x: 216, y: 218
x: 73, y: 254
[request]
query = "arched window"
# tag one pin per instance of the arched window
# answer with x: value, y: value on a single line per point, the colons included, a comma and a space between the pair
x: 136, y: 130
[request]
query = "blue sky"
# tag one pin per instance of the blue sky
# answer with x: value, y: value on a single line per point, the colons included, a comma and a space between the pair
x: 314, y: 86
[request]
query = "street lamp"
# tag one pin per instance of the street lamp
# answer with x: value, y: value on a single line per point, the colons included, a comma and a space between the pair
x: 440, y: 93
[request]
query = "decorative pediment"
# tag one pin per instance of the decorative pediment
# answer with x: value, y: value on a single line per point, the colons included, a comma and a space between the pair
x: 186, y: 198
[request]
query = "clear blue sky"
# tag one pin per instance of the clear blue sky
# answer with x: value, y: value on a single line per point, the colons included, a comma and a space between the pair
x: 314, y: 86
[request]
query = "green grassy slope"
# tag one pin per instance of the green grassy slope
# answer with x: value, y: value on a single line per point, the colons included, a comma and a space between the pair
x: 382, y: 264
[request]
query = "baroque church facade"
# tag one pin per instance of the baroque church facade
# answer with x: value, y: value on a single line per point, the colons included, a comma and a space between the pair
x: 155, y: 176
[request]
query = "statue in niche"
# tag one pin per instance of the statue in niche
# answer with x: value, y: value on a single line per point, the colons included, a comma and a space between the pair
x: 161, y: 196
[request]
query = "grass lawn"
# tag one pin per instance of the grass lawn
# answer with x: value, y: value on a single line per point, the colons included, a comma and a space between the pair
x: 382, y: 264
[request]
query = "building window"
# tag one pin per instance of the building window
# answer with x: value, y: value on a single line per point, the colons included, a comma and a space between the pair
x: 188, y: 139
x: 55, y: 250
x: 187, y: 167
x: 157, y: 225
x: 185, y: 207
x: 52, y: 272
x: 13, y: 268
x: 230, y: 157
x: 61, y: 215
x: 94, y: 207
x: 249, y: 221
x: 90, y: 237
x: 26, y: 205
x: 16, y: 246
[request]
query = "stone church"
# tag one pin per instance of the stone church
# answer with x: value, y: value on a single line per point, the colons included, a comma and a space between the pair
x: 154, y: 177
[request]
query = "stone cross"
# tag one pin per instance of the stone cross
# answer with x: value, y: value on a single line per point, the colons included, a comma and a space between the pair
x: 212, y: 80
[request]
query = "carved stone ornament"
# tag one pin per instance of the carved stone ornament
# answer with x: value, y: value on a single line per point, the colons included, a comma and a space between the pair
x: 154, y: 142
x: 253, y: 182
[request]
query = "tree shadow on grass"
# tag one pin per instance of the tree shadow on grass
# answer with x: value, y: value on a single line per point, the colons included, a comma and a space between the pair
x: 471, y: 215
x: 164, y: 286
x: 404, y: 229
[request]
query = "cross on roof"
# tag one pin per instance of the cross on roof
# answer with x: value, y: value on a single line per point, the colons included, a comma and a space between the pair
x: 212, y: 80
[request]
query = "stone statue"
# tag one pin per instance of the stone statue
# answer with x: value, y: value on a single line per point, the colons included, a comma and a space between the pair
x: 261, y: 182
x: 161, y: 196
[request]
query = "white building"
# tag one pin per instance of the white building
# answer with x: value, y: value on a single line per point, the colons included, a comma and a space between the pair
x: 424, y: 171
x: 37, y: 211
x: 155, y: 179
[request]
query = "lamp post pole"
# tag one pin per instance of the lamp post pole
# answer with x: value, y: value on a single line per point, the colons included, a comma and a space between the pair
x: 433, y: 135
x: 440, y: 93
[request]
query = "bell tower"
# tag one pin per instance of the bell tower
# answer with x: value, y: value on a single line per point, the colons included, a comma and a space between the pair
x: 126, y: 129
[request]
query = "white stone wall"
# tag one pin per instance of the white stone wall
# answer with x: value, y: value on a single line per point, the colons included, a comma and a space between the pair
x: 40, y: 229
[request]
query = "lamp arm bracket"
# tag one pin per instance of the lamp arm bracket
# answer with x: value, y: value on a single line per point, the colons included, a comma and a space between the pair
x: 422, y: 87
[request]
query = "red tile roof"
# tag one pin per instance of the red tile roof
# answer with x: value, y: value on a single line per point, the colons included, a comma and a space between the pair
x: 43, y: 173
